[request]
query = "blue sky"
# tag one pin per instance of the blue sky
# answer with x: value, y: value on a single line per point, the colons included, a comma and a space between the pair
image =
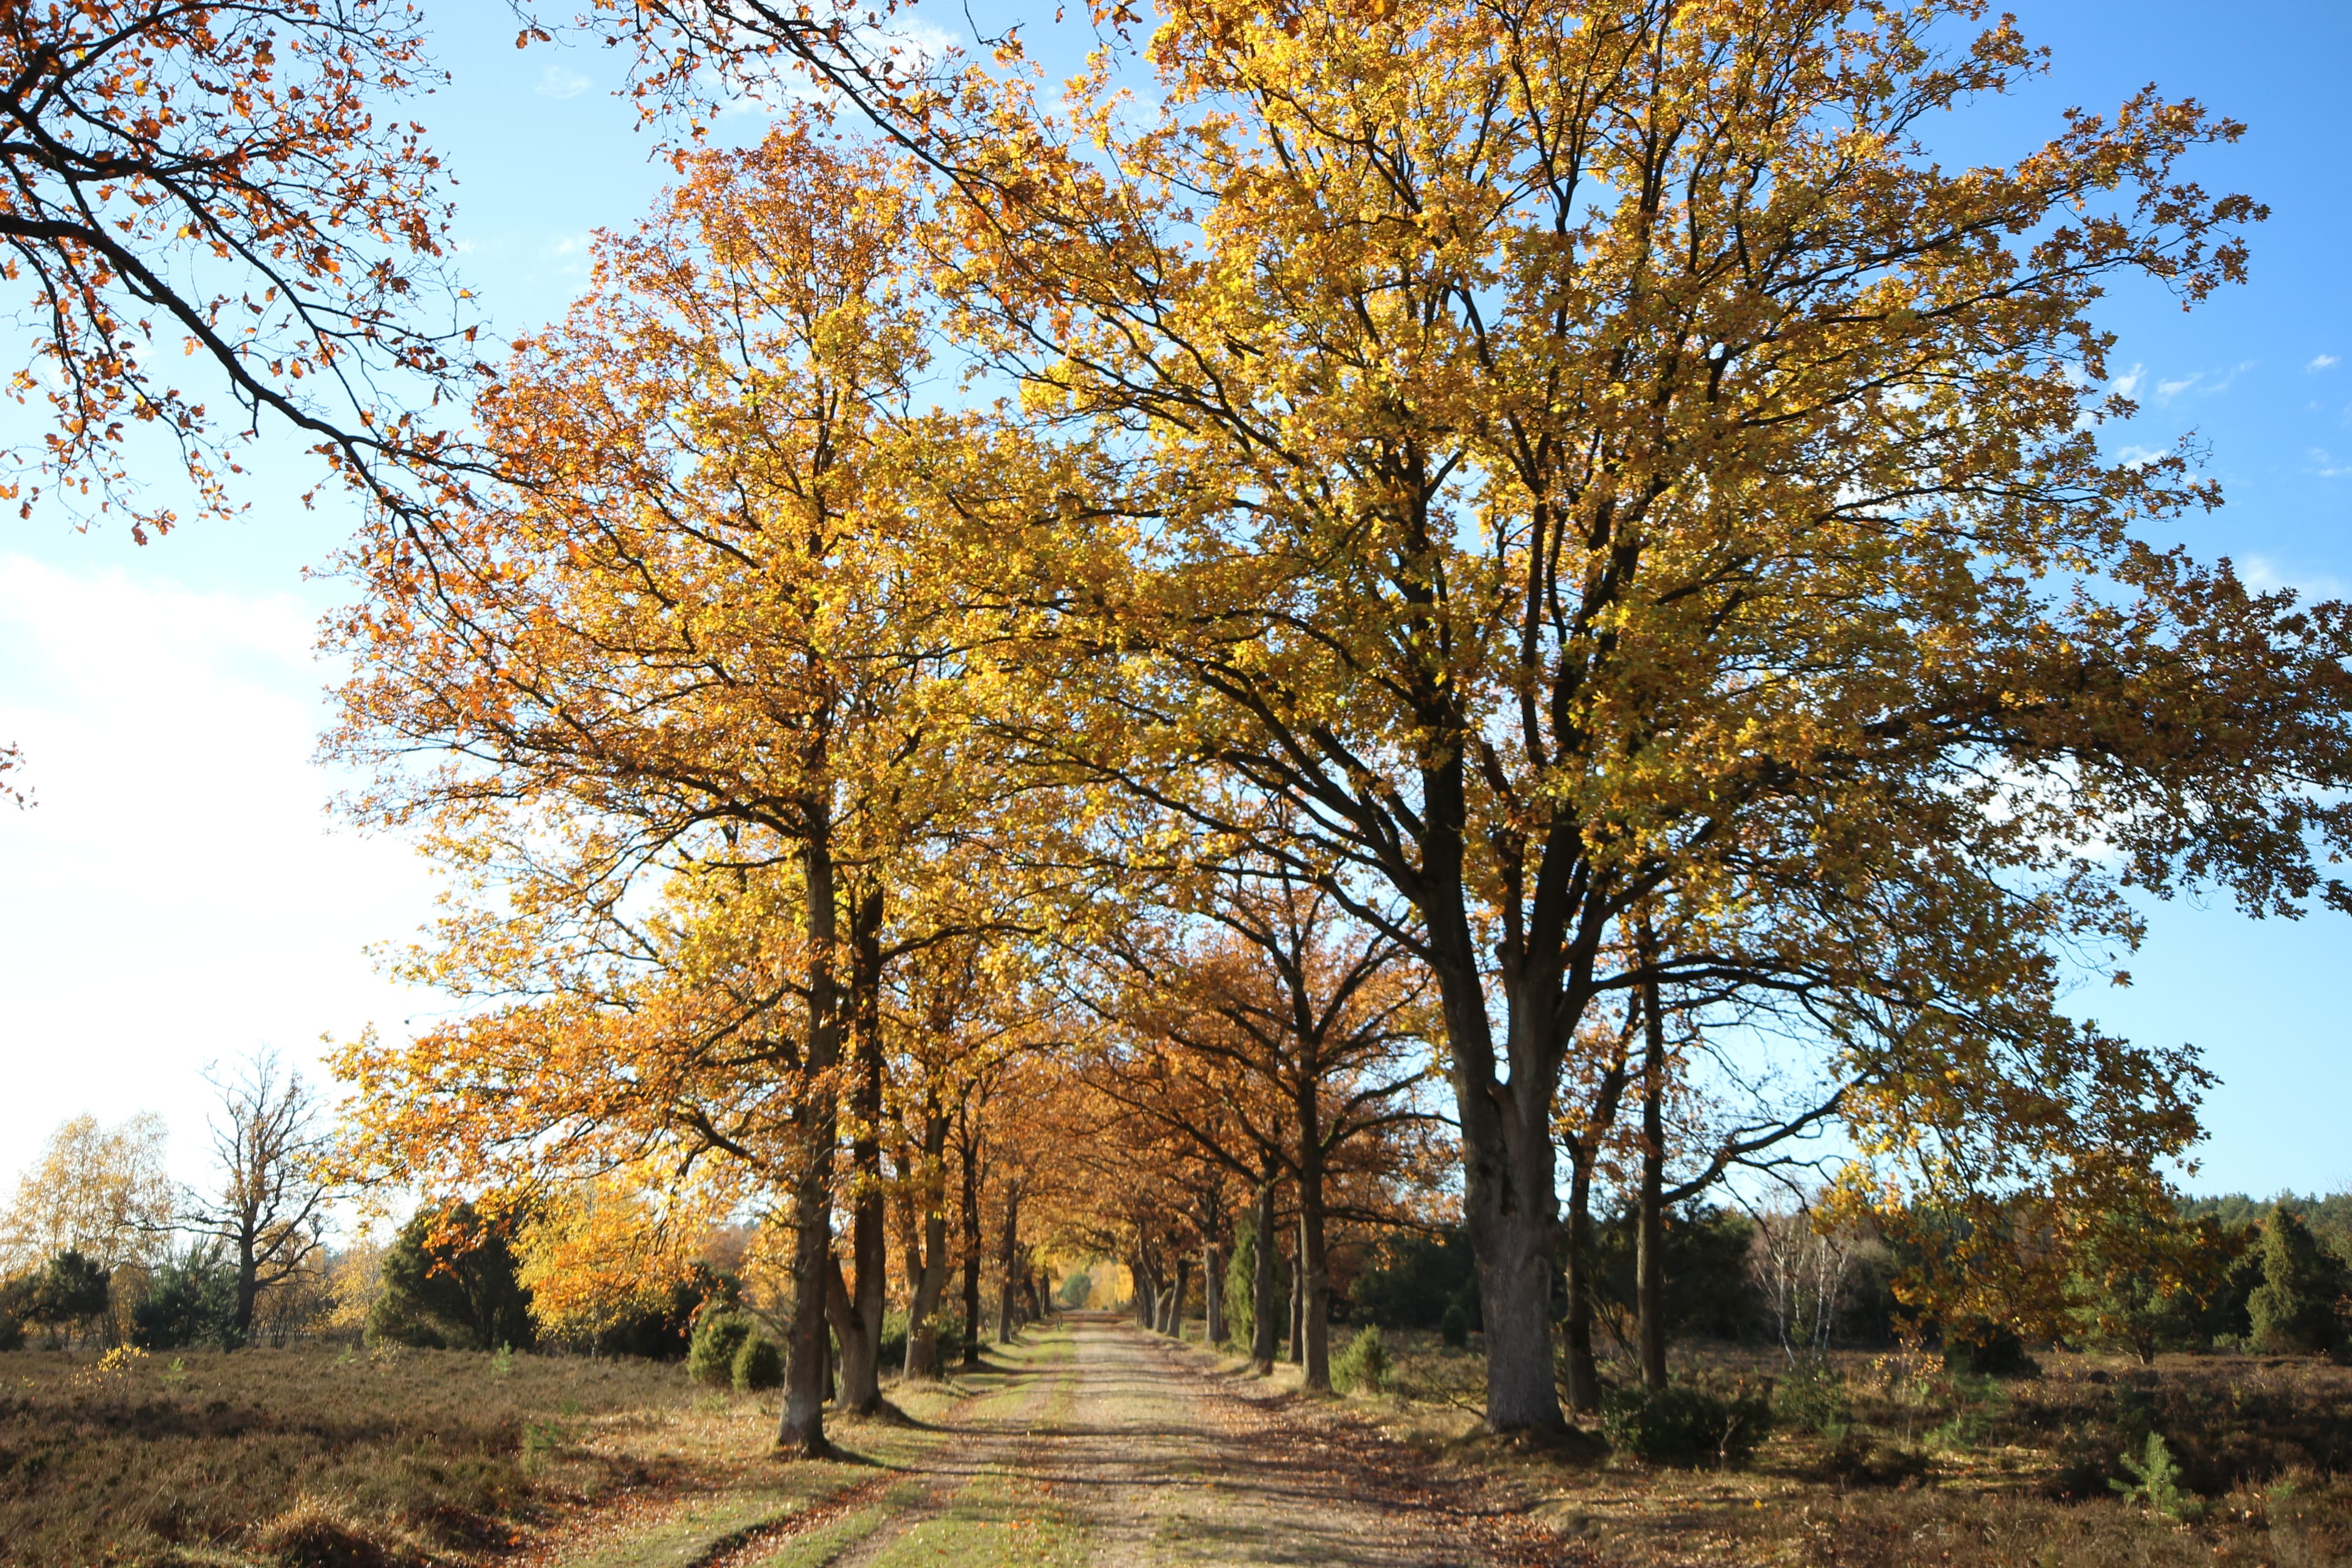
x: 181, y: 896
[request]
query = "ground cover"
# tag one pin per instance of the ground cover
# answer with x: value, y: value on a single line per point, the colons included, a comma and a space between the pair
x: 1899, y: 1463
x: 1091, y: 1441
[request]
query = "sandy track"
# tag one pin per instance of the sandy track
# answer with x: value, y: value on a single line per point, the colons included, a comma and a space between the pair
x: 1167, y: 1462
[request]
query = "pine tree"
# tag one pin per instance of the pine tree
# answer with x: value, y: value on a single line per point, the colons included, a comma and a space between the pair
x: 2296, y: 1308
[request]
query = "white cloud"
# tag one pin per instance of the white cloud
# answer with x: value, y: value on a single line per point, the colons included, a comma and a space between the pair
x: 557, y: 83
x: 2168, y: 389
x: 2327, y: 466
x: 2139, y: 456
x: 2320, y: 362
x: 2128, y: 382
x: 2262, y: 574
x: 179, y: 895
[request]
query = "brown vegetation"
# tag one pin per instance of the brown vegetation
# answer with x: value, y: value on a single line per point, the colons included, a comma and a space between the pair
x: 1931, y: 1467
x: 415, y: 1455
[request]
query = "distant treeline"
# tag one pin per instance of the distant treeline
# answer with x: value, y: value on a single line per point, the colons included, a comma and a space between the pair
x: 2222, y: 1272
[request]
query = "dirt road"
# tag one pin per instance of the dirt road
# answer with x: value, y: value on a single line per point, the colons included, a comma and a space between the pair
x: 1094, y: 1443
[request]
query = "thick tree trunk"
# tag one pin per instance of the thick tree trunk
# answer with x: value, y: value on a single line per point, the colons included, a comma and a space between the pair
x: 1009, y: 1259
x: 1176, y: 1297
x: 859, y: 1329
x: 1576, y: 1330
x: 1146, y: 1302
x: 248, y: 1285
x: 807, y: 1345
x: 1316, y: 1274
x: 1648, y: 1247
x: 1298, y: 1307
x: 1508, y: 1204
x: 807, y: 1350
x: 931, y: 1278
x: 1314, y: 1264
x: 1265, y: 1328
x: 970, y: 1245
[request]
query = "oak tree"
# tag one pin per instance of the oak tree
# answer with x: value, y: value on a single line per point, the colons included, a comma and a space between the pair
x: 1575, y: 458
x: 225, y: 185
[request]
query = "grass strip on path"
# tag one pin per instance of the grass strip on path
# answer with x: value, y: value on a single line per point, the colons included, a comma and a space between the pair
x: 989, y: 1516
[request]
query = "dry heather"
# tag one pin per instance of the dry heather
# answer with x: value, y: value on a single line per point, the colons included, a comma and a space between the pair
x: 301, y: 1457
x: 1920, y: 1468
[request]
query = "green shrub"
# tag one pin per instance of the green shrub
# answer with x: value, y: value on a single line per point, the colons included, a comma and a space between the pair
x: 1977, y: 1348
x: 1411, y: 1281
x: 1813, y: 1398
x: 1363, y: 1366
x: 759, y: 1364
x: 1455, y: 1327
x: 1241, y: 1288
x: 710, y: 1354
x: 1681, y: 1425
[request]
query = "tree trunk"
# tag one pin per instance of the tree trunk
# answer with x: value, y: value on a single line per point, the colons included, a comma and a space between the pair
x: 1176, y: 1297
x: 971, y: 1243
x: 1263, y: 1327
x: 1298, y: 1308
x: 1009, y: 1259
x: 1508, y: 1204
x: 1648, y: 1247
x: 248, y: 1285
x: 1213, y: 1293
x: 1316, y: 1279
x: 1314, y: 1265
x: 1143, y: 1303
x: 860, y: 1327
x: 1584, y: 1367
x: 808, y: 1348
x: 930, y: 1282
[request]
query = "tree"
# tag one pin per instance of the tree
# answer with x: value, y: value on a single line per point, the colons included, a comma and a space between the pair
x: 1581, y: 459
x: 269, y: 1216
x: 191, y: 1298
x: 71, y: 1291
x: 1283, y: 1038
x: 2146, y: 1276
x: 2299, y: 1306
x: 450, y: 1280
x: 699, y: 634
x: 604, y: 1267
x: 99, y: 1192
x: 222, y: 177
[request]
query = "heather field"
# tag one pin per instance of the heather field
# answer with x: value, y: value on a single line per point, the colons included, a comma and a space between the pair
x: 1092, y: 1440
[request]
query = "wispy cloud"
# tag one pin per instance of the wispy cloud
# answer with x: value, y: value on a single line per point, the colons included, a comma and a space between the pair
x: 2327, y: 466
x: 2139, y: 456
x: 557, y: 83
x: 2127, y: 384
x: 2203, y: 382
x: 2263, y: 575
x: 2320, y: 362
